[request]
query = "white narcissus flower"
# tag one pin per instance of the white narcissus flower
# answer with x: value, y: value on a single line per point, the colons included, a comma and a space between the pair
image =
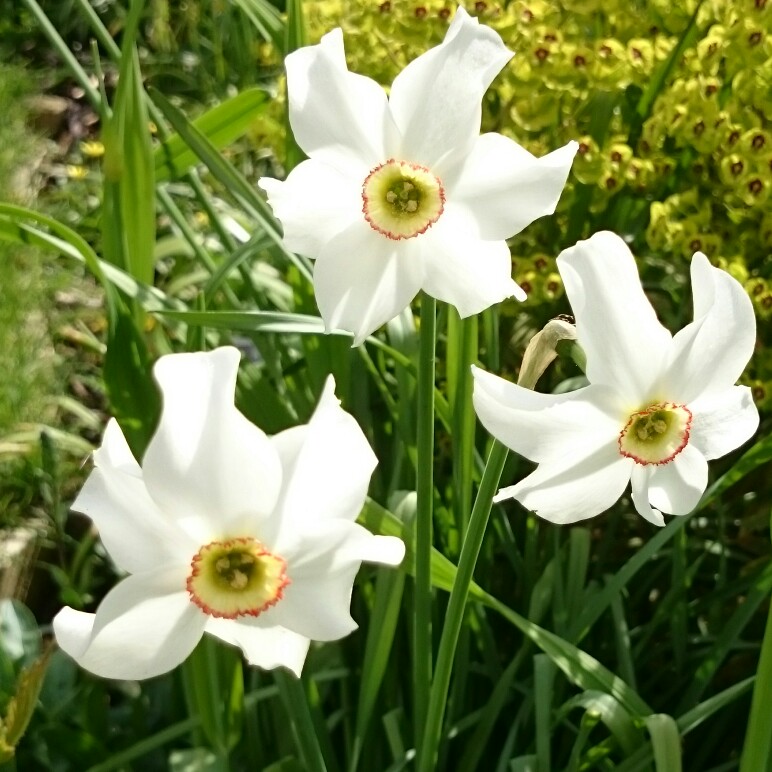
x: 402, y: 193
x: 224, y: 530
x: 658, y: 407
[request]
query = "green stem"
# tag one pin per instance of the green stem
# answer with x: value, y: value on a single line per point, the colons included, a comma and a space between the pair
x: 462, y: 352
x: 295, y: 700
x: 422, y: 634
x: 490, y: 336
x: 470, y: 550
x: 757, y: 750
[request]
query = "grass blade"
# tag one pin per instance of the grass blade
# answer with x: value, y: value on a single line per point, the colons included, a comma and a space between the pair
x: 221, y: 126
x: 666, y: 742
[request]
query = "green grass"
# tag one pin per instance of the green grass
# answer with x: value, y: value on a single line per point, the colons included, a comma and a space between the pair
x: 35, y: 355
x: 25, y: 349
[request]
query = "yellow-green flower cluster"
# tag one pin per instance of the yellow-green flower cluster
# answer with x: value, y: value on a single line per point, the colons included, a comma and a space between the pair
x: 538, y: 275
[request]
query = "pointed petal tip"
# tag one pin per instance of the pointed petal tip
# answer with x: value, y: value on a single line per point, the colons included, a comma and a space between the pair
x: 503, y: 494
x: 295, y: 669
x: 333, y: 38
x: 328, y: 391
x: 114, y: 451
x: 462, y: 17
x: 654, y: 516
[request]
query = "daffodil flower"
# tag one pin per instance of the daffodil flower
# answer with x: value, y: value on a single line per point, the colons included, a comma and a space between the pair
x: 223, y: 530
x: 657, y: 408
x: 402, y: 193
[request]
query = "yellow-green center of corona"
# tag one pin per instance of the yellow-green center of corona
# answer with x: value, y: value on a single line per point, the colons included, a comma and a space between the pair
x: 236, y: 577
x: 401, y: 200
x: 656, y: 434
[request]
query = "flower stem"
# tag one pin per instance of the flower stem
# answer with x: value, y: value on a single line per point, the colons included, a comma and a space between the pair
x: 462, y: 351
x: 757, y: 750
x: 427, y: 753
x: 422, y: 633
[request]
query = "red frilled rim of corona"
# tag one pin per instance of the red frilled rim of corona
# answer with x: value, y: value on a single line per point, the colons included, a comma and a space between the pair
x: 236, y: 577
x: 402, y: 200
x: 656, y: 434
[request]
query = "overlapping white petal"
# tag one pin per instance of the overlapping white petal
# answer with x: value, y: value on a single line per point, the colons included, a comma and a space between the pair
x: 676, y: 487
x: 315, y: 203
x: 363, y: 280
x: 462, y: 269
x: 205, y: 457
x: 337, y: 116
x: 210, y: 475
x: 324, y: 563
x: 435, y: 100
x: 724, y: 421
x: 491, y: 188
x: 145, y: 626
x: 327, y: 467
x: 625, y: 343
x: 545, y: 427
x: 133, y: 529
x: 709, y: 355
x: 505, y: 188
x: 640, y: 495
x: 264, y: 645
x: 633, y: 364
x: 570, y: 492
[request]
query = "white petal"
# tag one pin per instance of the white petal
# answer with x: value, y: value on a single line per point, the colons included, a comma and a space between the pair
x: 709, y: 355
x: 462, y: 269
x: 363, y: 279
x: 326, y: 465
x: 317, y: 605
x: 114, y: 452
x: 677, y: 487
x: 545, y: 427
x: 569, y: 492
x: 336, y: 116
x: 313, y: 204
x: 207, y: 466
x: 263, y: 645
x: 135, y: 532
x: 626, y: 346
x: 338, y: 543
x: 722, y: 422
x: 145, y: 626
x: 506, y: 188
x: 322, y: 569
x: 436, y: 99
x: 138, y: 536
x: 640, y: 487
